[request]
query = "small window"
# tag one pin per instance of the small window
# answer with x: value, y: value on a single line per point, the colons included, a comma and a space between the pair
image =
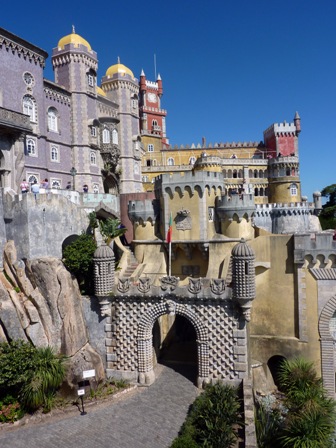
x: 211, y: 213
x: 192, y: 160
x: 106, y: 136
x: 93, y: 131
x: 91, y: 80
x: 52, y: 119
x: 293, y: 190
x: 55, y: 183
x: 150, y: 148
x: 144, y: 178
x: 29, y: 107
x: 93, y: 158
x: 31, y: 147
x: 115, y: 137
x: 135, y: 102
x: 95, y: 188
x: 170, y: 161
x: 54, y: 154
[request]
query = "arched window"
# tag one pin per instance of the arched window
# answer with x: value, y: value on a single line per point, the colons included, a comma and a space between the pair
x: 52, y: 119
x: 192, y: 160
x: 54, y: 154
x: 55, y: 183
x: 255, y: 173
x: 91, y: 78
x: 154, y: 162
x: 150, y: 148
x: 95, y: 188
x: 115, y: 137
x: 134, y: 102
x: 154, y: 123
x: 106, y: 136
x: 256, y: 192
x: 234, y: 174
x: 170, y: 161
x: 293, y: 190
x: 29, y: 107
x: 93, y: 158
x: 32, y: 178
x: 31, y: 147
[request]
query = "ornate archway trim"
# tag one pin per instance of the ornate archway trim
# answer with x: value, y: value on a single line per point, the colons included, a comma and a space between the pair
x: 145, y: 345
x: 327, y: 346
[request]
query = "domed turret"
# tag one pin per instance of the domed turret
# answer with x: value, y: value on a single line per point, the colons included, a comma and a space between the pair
x: 118, y: 69
x: 103, y: 261
x: 243, y: 277
x: 74, y: 39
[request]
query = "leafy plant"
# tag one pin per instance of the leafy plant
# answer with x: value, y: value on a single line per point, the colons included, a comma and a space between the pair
x: 78, y: 258
x: 309, y: 420
x: 10, y: 410
x: 213, y: 420
x: 29, y: 376
x: 111, y: 228
x: 48, y: 375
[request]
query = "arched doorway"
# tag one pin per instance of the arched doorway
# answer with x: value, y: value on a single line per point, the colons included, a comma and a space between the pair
x: 178, y: 348
x: 273, y: 365
x: 149, y: 340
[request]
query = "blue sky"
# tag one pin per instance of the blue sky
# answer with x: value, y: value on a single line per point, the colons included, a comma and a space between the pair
x: 229, y: 68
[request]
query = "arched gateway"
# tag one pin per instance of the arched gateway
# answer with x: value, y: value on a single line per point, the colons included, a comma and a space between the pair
x: 217, y: 312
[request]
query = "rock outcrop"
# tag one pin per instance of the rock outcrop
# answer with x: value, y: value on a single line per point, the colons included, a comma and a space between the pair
x: 40, y: 302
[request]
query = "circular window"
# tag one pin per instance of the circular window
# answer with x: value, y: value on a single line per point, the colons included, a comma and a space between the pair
x: 28, y: 78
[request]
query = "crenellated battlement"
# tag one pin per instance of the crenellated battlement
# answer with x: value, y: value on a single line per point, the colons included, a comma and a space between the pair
x: 220, y: 145
x: 144, y: 210
x: 239, y: 204
x: 191, y: 180
x: 281, y: 129
x: 320, y: 249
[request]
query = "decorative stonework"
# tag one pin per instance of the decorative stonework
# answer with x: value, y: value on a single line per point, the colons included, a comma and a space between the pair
x: 183, y: 220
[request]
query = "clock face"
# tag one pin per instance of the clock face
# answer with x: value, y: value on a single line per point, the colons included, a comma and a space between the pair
x: 151, y: 97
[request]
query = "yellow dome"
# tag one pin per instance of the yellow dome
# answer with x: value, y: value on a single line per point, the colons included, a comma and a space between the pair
x: 100, y: 91
x: 75, y: 39
x: 119, y: 68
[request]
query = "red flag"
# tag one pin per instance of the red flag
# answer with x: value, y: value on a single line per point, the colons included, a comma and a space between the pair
x: 170, y: 229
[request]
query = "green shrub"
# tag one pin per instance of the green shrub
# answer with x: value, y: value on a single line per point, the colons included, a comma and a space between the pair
x: 16, y: 365
x: 10, y: 410
x: 213, y: 420
x: 31, y: 375
x: 78, y: 258
x: 309, y: 420
x: 48, y: 375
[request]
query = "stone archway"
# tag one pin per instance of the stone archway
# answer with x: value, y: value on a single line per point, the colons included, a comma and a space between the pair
x: 328, y: 346
x: 145, y: 343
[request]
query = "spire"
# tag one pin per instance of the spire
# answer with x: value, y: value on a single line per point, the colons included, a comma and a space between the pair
x: 159, y: 77
x: 142, y: 72
x: 118, y: 60
x: 73, y: 29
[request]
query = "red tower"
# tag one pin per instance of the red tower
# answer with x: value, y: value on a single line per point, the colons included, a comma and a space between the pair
x: 282, y: 139
x: 152, y: 117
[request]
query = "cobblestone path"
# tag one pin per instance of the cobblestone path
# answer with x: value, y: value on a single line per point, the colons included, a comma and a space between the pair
x: 147, y: 418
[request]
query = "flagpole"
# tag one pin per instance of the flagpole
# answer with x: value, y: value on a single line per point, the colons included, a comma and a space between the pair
x: 169, y: 261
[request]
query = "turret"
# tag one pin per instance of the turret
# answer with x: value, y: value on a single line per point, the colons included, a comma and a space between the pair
x: 243, y: 277
x: 297, y: 123
x: 159, y: 82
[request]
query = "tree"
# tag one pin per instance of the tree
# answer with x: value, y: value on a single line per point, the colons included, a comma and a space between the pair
x: 328, y: 214
x: 111, y: 228
x: 78, y: 258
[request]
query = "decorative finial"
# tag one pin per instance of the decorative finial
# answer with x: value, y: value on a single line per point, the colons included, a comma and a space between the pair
x: 73, y: 29
x: 118, y: 60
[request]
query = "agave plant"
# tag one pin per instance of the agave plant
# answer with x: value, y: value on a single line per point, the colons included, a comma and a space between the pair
x: 111, y: 228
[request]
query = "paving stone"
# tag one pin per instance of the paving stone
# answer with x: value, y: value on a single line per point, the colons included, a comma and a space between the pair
x: 148, y: 418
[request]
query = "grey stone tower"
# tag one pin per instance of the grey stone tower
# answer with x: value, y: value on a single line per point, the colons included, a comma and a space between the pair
x: 243, y: 276
x: 103, y: 261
